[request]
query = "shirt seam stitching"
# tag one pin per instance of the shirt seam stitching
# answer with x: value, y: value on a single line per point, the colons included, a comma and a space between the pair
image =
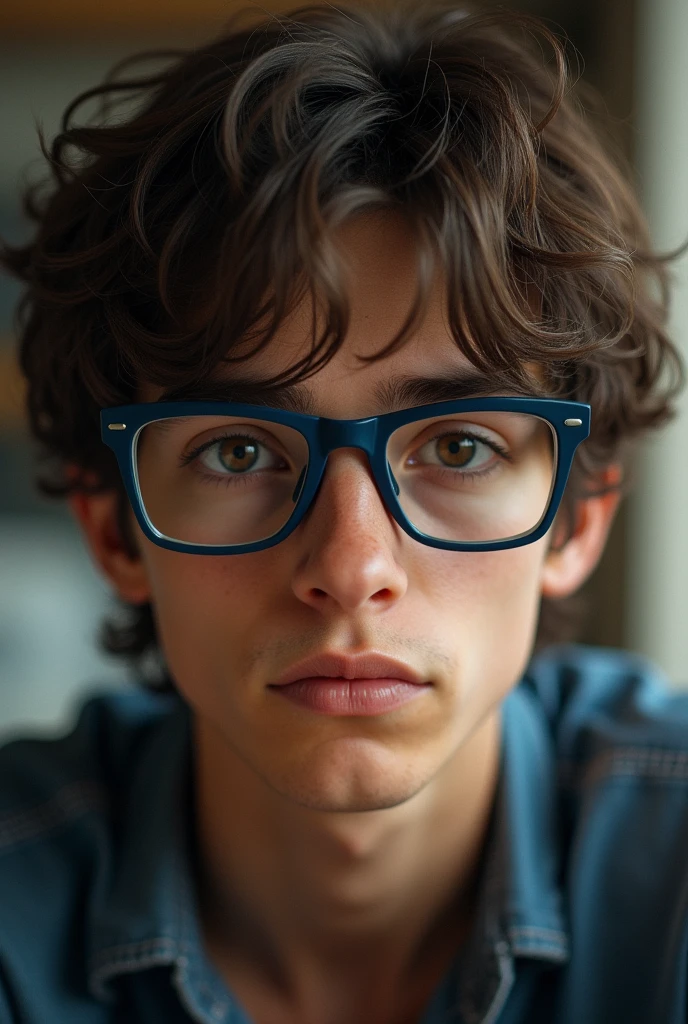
x: 67, y: 804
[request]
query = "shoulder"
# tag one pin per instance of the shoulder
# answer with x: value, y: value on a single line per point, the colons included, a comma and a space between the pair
x: 620, y: 738
x: 48, y: 780
x: 63, y: 804
x: 600, y: 700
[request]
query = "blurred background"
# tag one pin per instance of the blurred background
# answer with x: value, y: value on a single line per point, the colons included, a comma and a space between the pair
x: 52, y: 599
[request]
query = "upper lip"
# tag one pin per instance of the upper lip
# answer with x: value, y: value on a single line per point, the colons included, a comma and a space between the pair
x: 359, y: 666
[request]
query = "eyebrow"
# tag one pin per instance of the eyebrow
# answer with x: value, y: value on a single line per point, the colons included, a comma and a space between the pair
x: 397, y: 392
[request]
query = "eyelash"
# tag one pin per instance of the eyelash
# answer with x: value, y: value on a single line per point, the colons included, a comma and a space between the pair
x: 469, y: 474
x: 185, y: 459
x: 497, y: 448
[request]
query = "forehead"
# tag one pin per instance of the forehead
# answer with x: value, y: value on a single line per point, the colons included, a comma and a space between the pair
x: 379, y: 262
x: 379, y: 268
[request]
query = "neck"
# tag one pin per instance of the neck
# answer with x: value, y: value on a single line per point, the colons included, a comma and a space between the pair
x: 311, y: 900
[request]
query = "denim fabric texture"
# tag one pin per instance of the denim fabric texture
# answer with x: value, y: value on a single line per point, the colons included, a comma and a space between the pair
x: 583, y: 900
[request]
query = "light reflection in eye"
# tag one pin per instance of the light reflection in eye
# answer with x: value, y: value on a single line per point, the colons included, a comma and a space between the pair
x: 464, y: 452
x: 232, y: 455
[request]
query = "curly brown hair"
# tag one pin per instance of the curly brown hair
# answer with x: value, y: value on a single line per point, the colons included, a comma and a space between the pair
x: 193, y: 217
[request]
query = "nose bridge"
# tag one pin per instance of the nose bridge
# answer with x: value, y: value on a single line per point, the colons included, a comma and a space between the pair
x: 335, y: 434
x: 355, y: 503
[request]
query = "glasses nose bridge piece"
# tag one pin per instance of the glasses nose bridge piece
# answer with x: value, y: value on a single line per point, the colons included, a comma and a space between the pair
x: 335, y: 434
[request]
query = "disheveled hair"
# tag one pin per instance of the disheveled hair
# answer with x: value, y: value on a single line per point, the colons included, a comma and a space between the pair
x: 200, y: 204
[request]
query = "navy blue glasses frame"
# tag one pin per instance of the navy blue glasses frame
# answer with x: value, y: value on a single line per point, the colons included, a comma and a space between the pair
x: 121, y: 425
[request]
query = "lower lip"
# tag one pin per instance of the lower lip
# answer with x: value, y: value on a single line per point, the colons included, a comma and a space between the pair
x: 330, y: 696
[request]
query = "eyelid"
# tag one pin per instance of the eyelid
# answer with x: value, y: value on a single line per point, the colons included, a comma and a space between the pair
x: 187, y: 456
x: 477, y: 431
x: 477, y: 435
x: 493, y: 447
x: 223, y: 431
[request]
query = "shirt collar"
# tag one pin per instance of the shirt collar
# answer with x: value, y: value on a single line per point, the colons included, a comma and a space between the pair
x: 520, y: 904
x: 142, y: 911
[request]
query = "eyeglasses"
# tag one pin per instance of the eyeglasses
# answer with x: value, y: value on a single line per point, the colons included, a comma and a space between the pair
x: 215, y: 478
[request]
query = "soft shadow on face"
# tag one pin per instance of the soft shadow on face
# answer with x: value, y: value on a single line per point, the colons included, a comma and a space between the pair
x: 348, y: 580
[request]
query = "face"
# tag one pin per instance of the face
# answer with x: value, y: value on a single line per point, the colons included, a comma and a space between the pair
x: 348, y: 579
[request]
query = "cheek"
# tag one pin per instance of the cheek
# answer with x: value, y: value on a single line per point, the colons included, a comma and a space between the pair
x: 214, y: 614
x: 488, y: 586
x: 206, y: 610
x: 489, y: 604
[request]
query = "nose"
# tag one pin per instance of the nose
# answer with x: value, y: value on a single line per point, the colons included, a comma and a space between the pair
x: 350, y: 541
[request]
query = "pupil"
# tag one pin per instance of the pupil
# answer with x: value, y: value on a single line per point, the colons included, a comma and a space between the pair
x: 231, y: 454
x: 458, y: 452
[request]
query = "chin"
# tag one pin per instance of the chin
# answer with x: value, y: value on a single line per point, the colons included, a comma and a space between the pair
x: 350, y: 803
x: 352, y: 780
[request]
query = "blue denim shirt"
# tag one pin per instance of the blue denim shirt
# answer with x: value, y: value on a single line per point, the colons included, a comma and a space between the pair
x: 583, y: 899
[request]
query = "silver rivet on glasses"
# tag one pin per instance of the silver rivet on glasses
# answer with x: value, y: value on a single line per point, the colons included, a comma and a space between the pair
x: 573, y: 423
x: 117, y: 426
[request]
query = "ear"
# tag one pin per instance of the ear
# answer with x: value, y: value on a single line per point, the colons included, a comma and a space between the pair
x: 566, y: 569
x: 97, y: 517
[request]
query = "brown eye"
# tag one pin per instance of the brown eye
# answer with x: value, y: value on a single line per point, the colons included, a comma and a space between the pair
x: 456, y: 450
x: 237, y: 454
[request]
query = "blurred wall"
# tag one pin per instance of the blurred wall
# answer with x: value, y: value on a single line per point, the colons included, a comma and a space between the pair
x: 51, y: 598
x: 658, y: 520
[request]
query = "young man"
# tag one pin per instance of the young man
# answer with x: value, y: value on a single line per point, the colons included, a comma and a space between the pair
x: 315, y: 328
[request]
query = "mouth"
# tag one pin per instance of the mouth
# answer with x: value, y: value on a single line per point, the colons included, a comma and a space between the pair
x: 328, y: 695
x: 336, y: 684
x: 366, y: 666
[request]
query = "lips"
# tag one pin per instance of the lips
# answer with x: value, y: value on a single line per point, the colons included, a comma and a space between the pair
x: 342, y: 666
